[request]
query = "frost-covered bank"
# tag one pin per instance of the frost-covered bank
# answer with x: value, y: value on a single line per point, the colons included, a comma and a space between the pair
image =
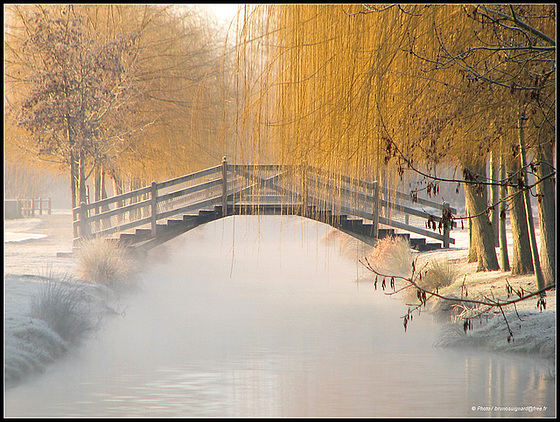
x: 534, y: 329
x: 48, y: 307
x: 44, y: 317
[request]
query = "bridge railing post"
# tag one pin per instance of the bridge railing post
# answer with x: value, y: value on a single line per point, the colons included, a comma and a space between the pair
x: 446, y: 223
x: 224, y: 187
x: 84, y: 223
x: 153, y: 192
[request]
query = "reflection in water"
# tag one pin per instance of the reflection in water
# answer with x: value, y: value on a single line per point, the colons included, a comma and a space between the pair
x: 258, y: 317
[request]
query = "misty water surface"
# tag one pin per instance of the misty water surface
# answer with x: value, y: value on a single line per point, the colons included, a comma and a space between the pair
x: 253, y: 316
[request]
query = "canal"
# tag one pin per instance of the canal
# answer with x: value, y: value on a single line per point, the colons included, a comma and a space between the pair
x: 259, y: 316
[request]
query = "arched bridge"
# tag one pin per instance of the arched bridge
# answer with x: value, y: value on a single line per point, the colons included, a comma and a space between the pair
x: 152, y: 215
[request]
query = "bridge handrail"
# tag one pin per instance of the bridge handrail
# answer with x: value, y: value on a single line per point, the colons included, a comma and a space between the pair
x: 108, y: 201
x: 197, y: 175
x: 382, y: 202
x: 270, y: 182
x: 190, y: 189
x: 385, y: 190
x: 117, y: 211
x: 370, y: 215
x: 353, y: 196
x: 248, y: 173
x: 83, y: 210
x: 247, y: 167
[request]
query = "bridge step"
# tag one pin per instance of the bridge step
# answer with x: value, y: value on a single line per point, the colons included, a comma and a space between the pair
x: 189, y: 219
x: 430, y: 247
x: 143, y: 234
x: 417, y: 242
x: 127, y: 238
x: 357, y: 226
x: 161, y: 228
x: 205, y: 216
x: 381, y: 233
x: 174, y: 223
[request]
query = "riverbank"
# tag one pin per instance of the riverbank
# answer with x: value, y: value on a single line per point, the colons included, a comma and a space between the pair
x: 533, y: 328
x: 39, y: 271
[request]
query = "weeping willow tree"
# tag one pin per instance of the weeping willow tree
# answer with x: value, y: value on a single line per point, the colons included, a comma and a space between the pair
x: 380, y: 92
x: 345, y: 93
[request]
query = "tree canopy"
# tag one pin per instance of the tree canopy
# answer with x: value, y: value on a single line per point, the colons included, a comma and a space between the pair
x: 382, y: 92
x: 114, y: 89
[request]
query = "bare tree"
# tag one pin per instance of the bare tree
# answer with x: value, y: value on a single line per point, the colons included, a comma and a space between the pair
x: 112, y: 91
x: 73, y: 89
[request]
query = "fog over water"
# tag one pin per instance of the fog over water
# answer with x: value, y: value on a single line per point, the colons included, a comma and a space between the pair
x: 258, y: 316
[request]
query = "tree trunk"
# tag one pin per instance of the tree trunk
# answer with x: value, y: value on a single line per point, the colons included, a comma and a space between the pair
x: 495, y: 198
x: 82, y: 176
x: 472, y: 256
x: 104, y: 189
x: 482, y: 234
x: 74, y: 178
x: 528, y: 208
x: 117, y: 186
x: 97, y: 185
x: 546, y: 201
x: 521, y: 261
x: 504, y: 259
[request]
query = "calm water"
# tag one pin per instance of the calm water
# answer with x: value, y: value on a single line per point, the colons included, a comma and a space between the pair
x: 259, y: 317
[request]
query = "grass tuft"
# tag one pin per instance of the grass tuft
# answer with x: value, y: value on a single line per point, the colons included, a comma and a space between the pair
x: 64, y: 308
x: 106, y: 263
x: 392, y: 256
x: 438, y: 274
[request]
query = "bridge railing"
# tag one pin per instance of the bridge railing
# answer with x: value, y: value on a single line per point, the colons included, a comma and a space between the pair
x: 381, y: 205
x: 320, y: 191
x: 307, y: 189
x: 145, y: 206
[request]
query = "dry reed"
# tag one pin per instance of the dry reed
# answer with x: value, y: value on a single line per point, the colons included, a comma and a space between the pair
x: 392, y: 256
x: 104, y: 262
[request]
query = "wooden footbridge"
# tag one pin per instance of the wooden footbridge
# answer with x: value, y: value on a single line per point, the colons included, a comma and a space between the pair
x: 149, y: 216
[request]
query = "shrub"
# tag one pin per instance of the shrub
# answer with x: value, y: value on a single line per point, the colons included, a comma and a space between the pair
x: 435, y: 275
x: 103, y: 262
x: 348, y: 246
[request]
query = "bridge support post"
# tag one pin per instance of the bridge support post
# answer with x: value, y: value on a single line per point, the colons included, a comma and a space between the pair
x: 446, y: 217
x: 84, y: 224
x: 153, y: 192
x: 224, y: 187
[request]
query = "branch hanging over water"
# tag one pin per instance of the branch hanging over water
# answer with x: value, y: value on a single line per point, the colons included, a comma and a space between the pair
x: 488, y: 303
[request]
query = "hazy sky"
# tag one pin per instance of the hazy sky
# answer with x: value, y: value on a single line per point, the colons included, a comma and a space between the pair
x: 225, y: 12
